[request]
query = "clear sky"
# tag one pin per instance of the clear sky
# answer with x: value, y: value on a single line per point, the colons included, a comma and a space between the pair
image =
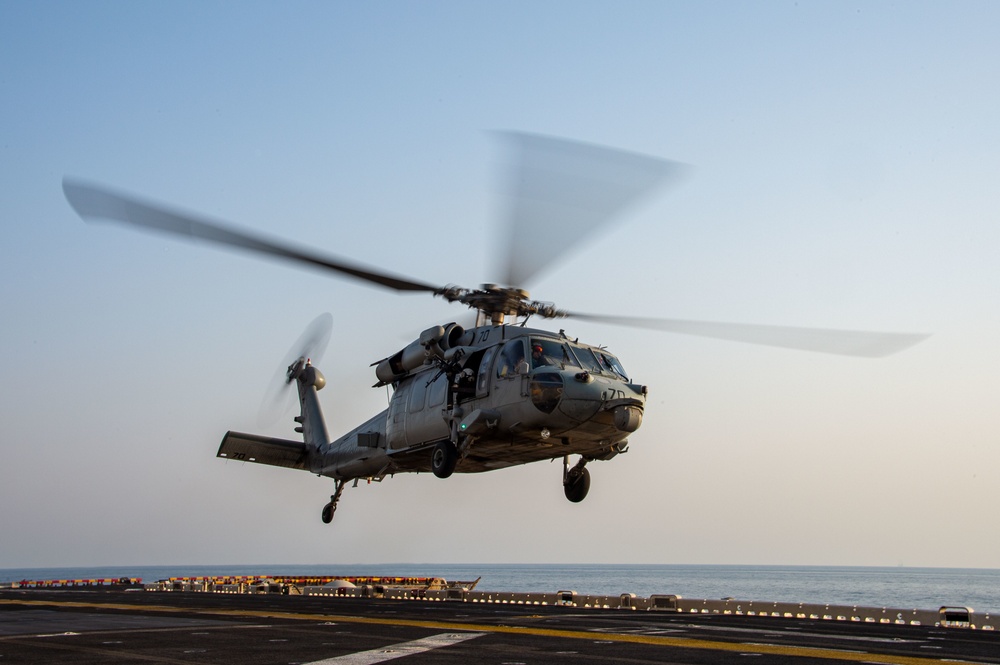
x: 845, y: 159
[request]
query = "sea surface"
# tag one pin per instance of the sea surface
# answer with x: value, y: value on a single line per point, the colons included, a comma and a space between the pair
x: 901, y: 588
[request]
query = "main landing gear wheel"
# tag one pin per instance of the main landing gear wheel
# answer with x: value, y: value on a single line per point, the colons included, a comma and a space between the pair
x: 577, y: 484
x: 443, y: 459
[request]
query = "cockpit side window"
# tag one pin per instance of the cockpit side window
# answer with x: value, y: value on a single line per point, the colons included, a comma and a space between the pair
x: 511, y: 360
x: 482, y: 381
x: 551, y: 353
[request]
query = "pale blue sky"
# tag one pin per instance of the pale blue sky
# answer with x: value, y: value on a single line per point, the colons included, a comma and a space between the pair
x: 845, y: 161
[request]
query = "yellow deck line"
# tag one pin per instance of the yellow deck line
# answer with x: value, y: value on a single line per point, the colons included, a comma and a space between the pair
x: 657, y: 640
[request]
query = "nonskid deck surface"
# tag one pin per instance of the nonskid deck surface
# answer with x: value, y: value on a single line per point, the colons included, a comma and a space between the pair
x: 66, y: 626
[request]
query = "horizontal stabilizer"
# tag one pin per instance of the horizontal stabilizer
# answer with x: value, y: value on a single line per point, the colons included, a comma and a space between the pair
x: 263, y: 450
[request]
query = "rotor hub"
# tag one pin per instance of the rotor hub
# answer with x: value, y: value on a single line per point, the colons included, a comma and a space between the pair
x: 498, y: 302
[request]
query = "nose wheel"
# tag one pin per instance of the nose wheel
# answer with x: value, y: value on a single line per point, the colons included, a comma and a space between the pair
x: 576, y: 481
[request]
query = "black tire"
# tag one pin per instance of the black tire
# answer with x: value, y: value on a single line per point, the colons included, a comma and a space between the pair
x: 327, y: 513
x: 577, y: 485
x: 443, y: 459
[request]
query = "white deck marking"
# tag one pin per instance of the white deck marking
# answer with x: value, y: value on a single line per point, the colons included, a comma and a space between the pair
x: 398, y: 650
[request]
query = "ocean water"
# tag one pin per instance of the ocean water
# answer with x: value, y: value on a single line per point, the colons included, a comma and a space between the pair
x: 902, y: 588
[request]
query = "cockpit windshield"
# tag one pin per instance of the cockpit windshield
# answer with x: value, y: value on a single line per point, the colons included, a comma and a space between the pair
x: 599, y: 360
x: 587, y: 358
x: 547, y: 352
x: 551, y: 353
x: 611, y: 363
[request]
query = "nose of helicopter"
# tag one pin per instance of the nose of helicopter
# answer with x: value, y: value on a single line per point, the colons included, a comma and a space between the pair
x: 627, y: 417
x: 585, y: 397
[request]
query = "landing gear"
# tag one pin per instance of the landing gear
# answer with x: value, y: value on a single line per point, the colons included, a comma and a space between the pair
x: 443, y: 459
x: 576, y: 481
x: 331, y: 507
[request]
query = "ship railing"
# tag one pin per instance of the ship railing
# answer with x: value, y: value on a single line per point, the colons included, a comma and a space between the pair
x: 948, y: 617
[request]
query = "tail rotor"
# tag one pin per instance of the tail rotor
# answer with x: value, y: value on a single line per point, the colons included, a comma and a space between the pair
x: 279, y: 397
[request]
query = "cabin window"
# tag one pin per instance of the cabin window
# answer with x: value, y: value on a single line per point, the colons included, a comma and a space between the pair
x: 418, y: 391
x: 437, y: 391
x: 397, y: 407
x: 511, y: 360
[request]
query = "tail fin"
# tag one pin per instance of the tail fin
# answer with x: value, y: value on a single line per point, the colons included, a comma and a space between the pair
x: 308, y: 380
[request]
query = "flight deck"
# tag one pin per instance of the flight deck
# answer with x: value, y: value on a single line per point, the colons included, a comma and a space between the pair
x: 270, y: 623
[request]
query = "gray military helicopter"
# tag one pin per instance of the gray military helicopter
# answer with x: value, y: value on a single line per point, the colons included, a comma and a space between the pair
x: 499, y: 393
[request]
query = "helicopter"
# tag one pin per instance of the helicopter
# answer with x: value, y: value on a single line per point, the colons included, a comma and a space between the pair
x: 498, y: 393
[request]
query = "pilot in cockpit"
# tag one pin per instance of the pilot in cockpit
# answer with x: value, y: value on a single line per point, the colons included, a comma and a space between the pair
x: 538, y: 358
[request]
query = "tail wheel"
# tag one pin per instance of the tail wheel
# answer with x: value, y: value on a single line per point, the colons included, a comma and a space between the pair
x: 577, y: 485
x: 443, y: 459
x: 331, y: 507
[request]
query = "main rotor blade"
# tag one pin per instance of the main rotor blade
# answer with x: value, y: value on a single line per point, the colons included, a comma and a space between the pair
x: 841, y: 342
x: 560, y: 192
x: 96, y: 203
